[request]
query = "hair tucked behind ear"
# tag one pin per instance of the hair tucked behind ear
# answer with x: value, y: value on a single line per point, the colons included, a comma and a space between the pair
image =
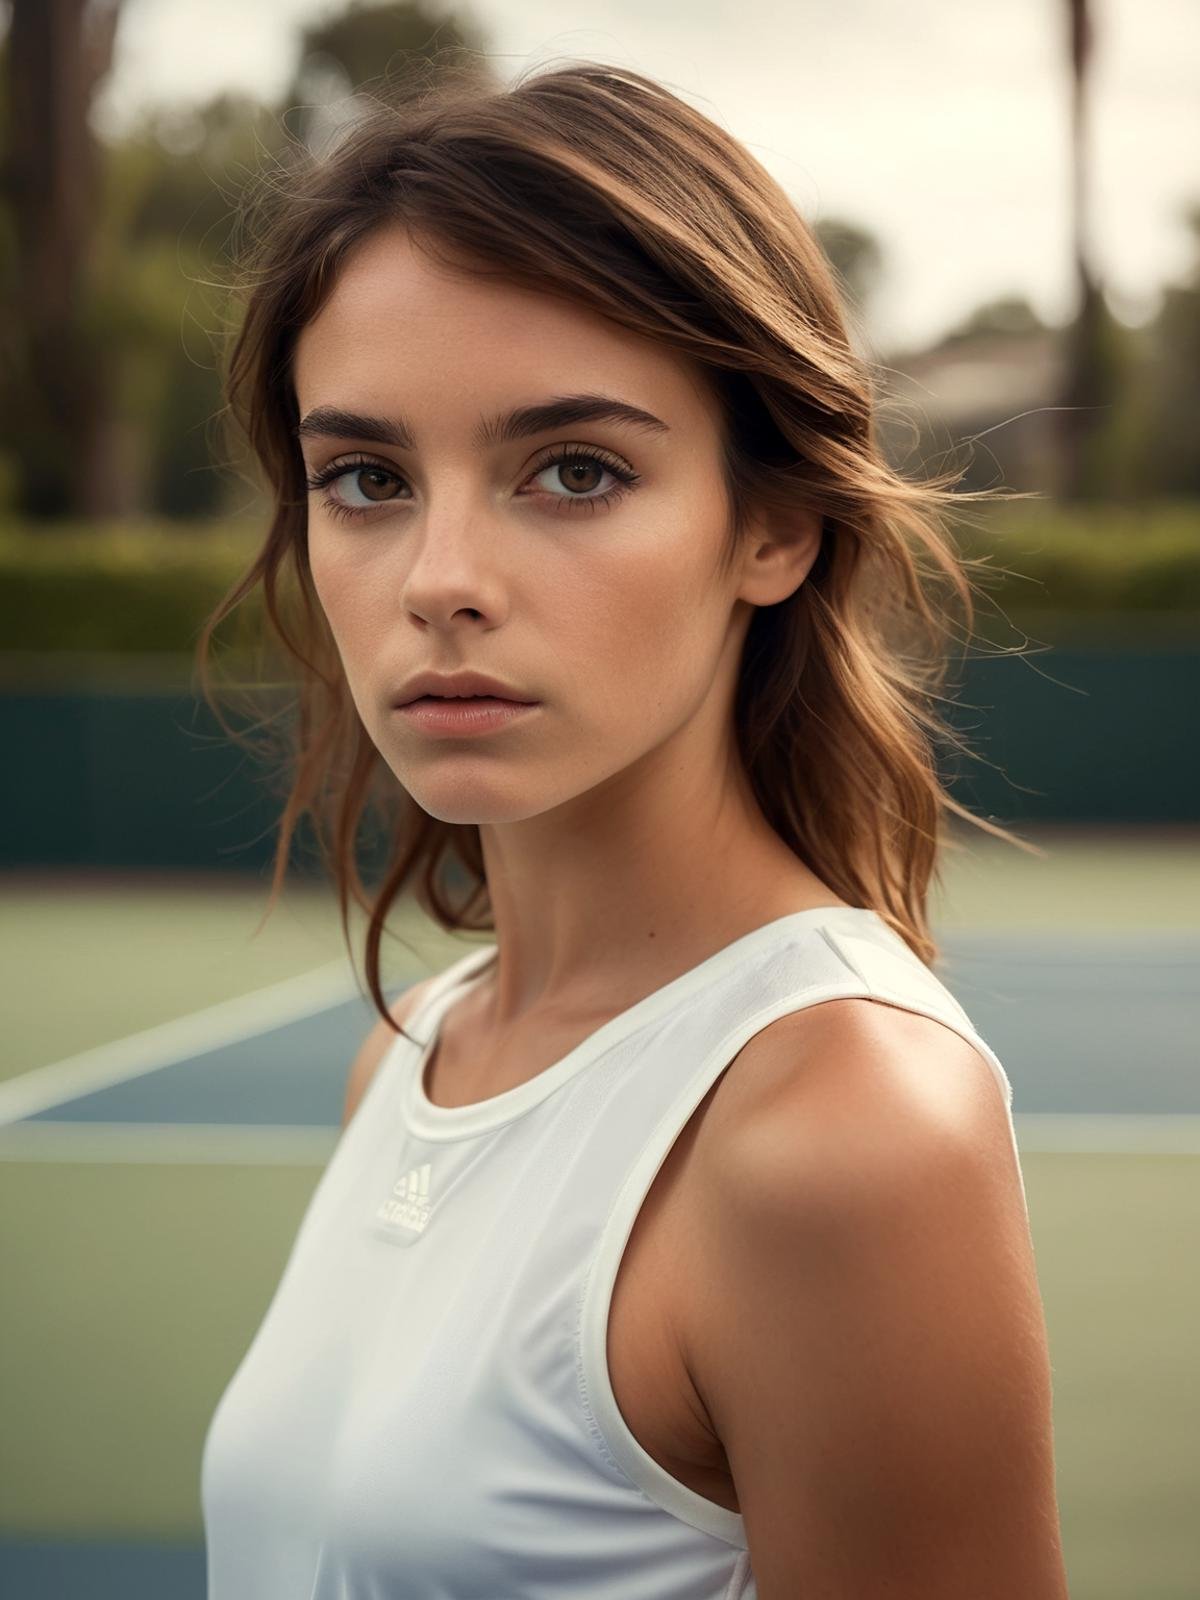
x: 600, y: 184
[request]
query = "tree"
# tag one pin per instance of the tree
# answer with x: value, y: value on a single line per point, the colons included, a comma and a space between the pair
x: 113, y: 257
x: 1011, y: 316
x: 369, y: 45
x: 1093, y: 345
x: 56, y: 408
x: 856, y: 257
x: 1172, y: 460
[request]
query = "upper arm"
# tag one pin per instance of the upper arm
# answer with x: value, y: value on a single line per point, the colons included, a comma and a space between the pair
x: 874, y: 1353
x: 375, y: 1046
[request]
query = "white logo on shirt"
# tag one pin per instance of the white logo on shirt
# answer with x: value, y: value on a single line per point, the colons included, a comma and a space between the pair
x: 408, y: 1205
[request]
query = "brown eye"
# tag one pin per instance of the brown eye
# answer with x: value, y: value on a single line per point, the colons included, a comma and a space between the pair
x: 374, y: 483
x: 571, y: 478
x: 580, y: 473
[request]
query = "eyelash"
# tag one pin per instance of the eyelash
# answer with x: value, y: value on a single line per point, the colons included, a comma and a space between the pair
x: 567, y: 504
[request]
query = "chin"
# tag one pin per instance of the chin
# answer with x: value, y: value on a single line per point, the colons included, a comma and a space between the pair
x: 469, y: 814
x: 472, y: 803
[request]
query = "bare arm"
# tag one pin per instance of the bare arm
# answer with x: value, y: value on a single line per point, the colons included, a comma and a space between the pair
x: 873, y: 1354
x: 373, y: 1048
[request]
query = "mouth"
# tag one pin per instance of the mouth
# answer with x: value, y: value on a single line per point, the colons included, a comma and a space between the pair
x: 456, y: 716
x: 463, y: 700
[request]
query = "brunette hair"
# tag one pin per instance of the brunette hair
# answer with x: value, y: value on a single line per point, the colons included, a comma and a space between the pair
x: 599, y: 183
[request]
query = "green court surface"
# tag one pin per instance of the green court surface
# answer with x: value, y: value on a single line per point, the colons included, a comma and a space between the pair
x: 132, y: 1287
x: 97, y: 960
x: 125, y: 1333
x: 88, y: 962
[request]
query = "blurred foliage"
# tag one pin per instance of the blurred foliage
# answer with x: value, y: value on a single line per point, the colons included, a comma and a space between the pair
x: 1008, y: 317
x: 364, y: 47
x: 1146, y: 443
x: 159, y: 313
x: 1167, y: 421
x: 1095, y: 561
x: 171, y: 188
x: 148, y: 588
x: 857, y: 258
x: 1096, y: 422
x: 124, y: 589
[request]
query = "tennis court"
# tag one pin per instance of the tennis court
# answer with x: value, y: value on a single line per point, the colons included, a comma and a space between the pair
x: 173, y: 1086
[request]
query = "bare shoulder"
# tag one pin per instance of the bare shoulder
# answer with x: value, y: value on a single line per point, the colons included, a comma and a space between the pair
x: 376, y: 1044
x: 847, y: 1097
x: 872, y: 1354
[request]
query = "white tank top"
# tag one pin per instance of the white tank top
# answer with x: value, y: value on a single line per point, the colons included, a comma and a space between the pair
x: 425, y: 1412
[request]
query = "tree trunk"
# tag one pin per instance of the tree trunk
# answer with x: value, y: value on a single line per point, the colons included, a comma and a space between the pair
x: 58, y: 52
x: 1084, y: 388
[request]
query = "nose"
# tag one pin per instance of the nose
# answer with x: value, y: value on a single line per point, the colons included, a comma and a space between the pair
x: 453, y: 573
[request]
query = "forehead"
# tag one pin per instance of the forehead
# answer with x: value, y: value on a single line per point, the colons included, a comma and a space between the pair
x: 400, y: 324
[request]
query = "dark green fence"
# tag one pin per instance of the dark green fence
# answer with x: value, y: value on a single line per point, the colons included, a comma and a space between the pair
x: 1082, y: 734
x: 136, y: 777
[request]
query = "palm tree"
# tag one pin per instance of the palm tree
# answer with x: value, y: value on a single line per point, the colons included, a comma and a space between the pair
x: 1084, y: 384
x: 57, y: 405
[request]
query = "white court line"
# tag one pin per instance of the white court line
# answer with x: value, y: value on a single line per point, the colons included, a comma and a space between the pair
x: 168, y: 1143
x: 246, y: 1144
x: 227, y: 1022
x: 1108, y: 1133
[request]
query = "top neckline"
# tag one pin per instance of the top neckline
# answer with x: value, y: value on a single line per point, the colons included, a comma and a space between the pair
x: 442, y: 1123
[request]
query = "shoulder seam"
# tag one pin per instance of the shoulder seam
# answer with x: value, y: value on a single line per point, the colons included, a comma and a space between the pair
x: 873, y: 965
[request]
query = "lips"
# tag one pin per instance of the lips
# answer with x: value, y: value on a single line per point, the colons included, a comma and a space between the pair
x: 442, y: 716
x: 464, y: 700
x: 464, y: 686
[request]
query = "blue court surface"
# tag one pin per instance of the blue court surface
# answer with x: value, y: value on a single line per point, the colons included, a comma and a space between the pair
x: 1097, y: 1034
x: 1085, y: 1027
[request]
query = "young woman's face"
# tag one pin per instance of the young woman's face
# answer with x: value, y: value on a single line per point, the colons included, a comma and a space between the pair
x: 577, y: 564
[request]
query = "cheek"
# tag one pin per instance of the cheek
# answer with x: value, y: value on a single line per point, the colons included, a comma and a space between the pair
x: 648, y: 631
x: 353, y: 604
x: 328, y: 577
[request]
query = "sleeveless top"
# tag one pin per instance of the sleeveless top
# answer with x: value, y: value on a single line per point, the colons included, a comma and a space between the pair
x: 425, y: 1412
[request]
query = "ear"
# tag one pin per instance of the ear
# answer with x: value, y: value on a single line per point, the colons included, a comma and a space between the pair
x: 778, y: 551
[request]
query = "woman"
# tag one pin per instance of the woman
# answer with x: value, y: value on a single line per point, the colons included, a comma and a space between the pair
x: 675, y: 1247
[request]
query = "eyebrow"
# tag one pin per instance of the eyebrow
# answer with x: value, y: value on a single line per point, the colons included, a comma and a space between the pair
x: 332, y: 422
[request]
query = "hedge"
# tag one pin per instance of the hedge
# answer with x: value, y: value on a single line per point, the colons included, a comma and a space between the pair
x: 145, y: 589
x: 124, y: 589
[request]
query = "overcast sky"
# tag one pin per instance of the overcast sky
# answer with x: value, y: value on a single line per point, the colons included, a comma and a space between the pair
x: 939, y: 124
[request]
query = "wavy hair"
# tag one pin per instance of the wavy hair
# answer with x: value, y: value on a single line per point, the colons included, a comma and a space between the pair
x: 598, y: 183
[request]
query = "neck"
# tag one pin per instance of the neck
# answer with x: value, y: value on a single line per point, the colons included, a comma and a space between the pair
x: 603, y: 900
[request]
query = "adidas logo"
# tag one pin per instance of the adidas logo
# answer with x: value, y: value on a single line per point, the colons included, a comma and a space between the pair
x: 408, y: 1204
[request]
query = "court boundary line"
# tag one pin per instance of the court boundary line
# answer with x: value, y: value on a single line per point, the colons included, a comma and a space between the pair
x: 1108, y: 1132
x: 169, y: 1143
x: 227, y: 1022
x: 310, y: 1145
